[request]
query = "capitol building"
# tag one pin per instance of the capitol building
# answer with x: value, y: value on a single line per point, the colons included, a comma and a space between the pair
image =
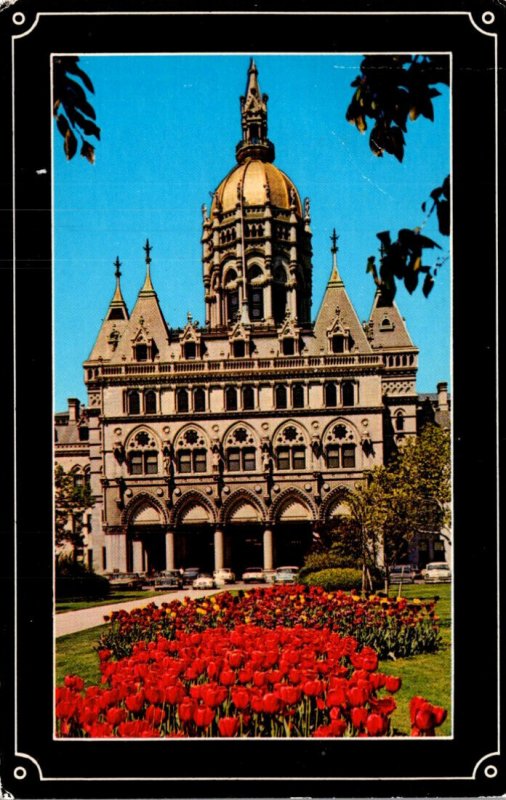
x: 235, y: 443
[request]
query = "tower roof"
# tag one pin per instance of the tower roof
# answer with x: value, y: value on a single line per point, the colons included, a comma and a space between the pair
x: 260, y: 182
x: 115, y: 322
x: 388, y: 327
x: 336, y: 310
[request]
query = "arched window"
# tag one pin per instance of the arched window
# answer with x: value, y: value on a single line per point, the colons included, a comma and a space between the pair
x: 340, y: 448
x: 134, y: 403
x: 348, y: 394
x: 248, y: 398
x: 256, y: 303
x: 232, y: 305
x: 150, y: 402
x: 330, y: 395
x: 281, y: 396
x: 298, y: 395
x: 191, y: 452
x: 290, y: 449
x: 399, y: 421
x: 142, y: 454
x: 199, y: 400
x: 182, y: 400
x: 231, y: 398
x: 240, y: 451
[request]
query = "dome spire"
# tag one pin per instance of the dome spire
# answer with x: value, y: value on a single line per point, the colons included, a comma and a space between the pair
x: 118, y: 297
x: 254, y: 143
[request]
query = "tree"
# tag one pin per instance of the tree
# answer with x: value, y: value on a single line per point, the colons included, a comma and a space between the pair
x: 71, y: 500
x: 412, y: 492
x: 71, y: 109
x: 390, y: 90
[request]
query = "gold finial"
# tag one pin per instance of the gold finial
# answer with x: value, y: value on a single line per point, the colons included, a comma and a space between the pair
x: 148, y: 286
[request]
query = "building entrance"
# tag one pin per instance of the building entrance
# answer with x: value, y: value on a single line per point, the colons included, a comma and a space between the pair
x: 146, y: 551
x: 292, y: 541
x: 244, y: 547
x: 195, y: 547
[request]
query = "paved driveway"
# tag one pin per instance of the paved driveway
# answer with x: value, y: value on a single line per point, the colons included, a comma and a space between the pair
x: 73, y: 621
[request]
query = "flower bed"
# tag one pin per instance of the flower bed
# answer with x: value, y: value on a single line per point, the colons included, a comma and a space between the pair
x: 246, y: 682
x: 397, y: 627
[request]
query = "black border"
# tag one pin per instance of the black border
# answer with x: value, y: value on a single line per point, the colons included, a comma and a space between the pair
x: 410, y: 767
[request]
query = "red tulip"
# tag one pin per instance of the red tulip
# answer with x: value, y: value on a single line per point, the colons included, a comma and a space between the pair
x: 134, y: 702
x: 115, y: 715
x: 203, y: 716
x: 376, y: 725
x: 359, y: 716
x: 392, y: 684
x: 271, y: 703
x: 155, y: 715
x: 228, y: 726
x: 240, y: 697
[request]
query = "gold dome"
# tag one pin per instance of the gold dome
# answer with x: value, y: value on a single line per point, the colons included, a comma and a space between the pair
x: 253, y: 177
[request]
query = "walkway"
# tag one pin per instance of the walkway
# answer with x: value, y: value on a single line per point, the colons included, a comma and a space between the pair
x: 74, y: 621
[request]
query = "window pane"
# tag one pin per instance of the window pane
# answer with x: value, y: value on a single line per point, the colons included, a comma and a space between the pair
x: 134, y: 405
x: 136, y: 463
x: 199, y: 461
x: 184, y: 461
x: 333, y: 457
x: 248, y: 460
x: 182, y: 400
x: 141, y: 352
x: 234, y: 460
x: 348, y: 394
x: 199, y: 400
x: 231, y: 399
x: 150, y: 403
x: 232, y: 305
x: 280, y: 396
x: 399, y: 422
x: 299, y: 457
x: 298, y: 396
x: 330, y: 395
x: 151, y: 462
x: 190, y: 350
x: 248, y: 398
x: 288, y: 347
x: 338, y: 344
x: 239, y: 349
x: 283, y: 458
x: 348, y: 456
x: 256, y: 303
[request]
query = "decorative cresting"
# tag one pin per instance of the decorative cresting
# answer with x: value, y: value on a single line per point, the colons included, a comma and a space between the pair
x: 193, y: 508
x: 256, y: 237
x: 144, y: 509
x: 335, y: 498
x: 292, y: 505
x: 242, y: 507
x: 341, y: 442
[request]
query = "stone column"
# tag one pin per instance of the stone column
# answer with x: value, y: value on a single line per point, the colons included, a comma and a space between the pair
x: 218, y: 548
x: 137, y: 553
x: 268, y: 554
x: 169, y: 550
x: 122, y: 552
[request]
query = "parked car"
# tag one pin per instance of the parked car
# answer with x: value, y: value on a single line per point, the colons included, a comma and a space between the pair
x: 168, y: 579
x: 223, y: 576
x: 269, y: 575
x: 285, y: 575
x: 402, y: 573
x: 203, y: 581
x: 189, y: 575
x: 124, y: 580
x: 253, y: 575
x: 437, y: 572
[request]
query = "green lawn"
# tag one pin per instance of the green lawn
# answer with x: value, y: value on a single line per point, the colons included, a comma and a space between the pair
x: 425, y: 675
x: 120, y: 596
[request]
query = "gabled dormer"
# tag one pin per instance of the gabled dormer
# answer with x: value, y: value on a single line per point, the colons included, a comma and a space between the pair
x: 240, y: 340
x: 191, y: 340
x: 289, y: 337
x: 339, y: 337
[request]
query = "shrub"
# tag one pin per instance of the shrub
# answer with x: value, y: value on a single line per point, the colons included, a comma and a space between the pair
x: 74, y: 581
x: 332, y: 579
x: 315, y: 562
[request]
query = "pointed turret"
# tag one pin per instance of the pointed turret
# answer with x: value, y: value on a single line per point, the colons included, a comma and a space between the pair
x: 387, y: 327
x: 114, y: 324
x: 255, y: 143
x: 147, y: 337
x: 337, y: 328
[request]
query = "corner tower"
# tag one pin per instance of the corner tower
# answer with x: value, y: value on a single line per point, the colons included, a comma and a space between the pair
x: 256, y: 237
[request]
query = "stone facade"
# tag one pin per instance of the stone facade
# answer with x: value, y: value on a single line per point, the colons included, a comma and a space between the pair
x: 234, y: 443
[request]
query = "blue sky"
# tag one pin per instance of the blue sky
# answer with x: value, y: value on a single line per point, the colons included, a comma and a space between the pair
x: 169, y: 129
